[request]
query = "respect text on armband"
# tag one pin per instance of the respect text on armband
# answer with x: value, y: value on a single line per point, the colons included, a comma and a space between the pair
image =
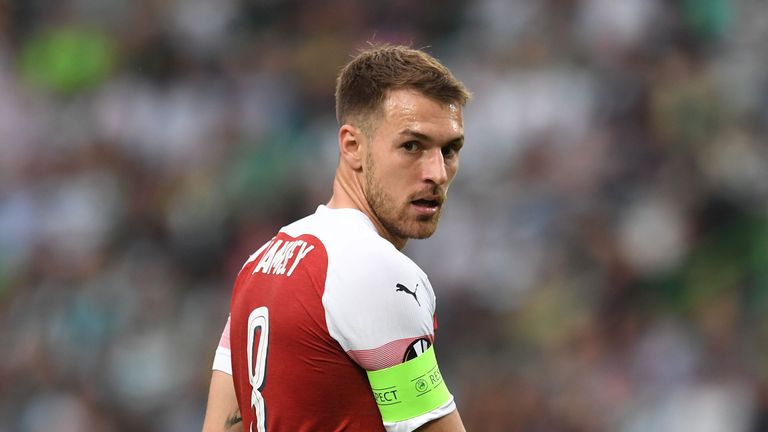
x: 385, y: 396
x: 282, y: 257
x: 421, y: 384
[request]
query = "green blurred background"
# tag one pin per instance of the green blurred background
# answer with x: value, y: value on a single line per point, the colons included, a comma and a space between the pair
x: 602, y: 263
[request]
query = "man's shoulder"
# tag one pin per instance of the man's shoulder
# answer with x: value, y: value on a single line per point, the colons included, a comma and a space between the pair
x: 348, y: 236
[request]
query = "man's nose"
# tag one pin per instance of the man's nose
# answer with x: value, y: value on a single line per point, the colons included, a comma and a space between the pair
x: 434, y: 167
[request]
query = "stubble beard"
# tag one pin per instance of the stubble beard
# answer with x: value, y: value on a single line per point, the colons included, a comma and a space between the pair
x: 385, y: 208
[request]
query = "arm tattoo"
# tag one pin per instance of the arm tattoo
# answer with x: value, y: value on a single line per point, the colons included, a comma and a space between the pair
x: 233, y: 419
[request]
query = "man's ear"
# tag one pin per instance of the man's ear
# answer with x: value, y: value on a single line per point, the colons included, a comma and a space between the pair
x: 351, y: 146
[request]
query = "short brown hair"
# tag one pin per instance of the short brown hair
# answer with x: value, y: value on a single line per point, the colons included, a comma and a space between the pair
x: 362, y: 84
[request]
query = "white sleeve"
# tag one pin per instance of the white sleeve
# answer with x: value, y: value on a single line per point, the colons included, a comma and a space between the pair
x: 378, y: 308
x: 377, y: 305
x: 416, y: 422
x: 222, y: 360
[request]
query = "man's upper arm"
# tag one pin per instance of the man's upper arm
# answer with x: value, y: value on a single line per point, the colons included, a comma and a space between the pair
x: 222, y: 413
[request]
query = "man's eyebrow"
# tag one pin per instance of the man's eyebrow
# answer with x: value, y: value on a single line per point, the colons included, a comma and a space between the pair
x: 414, y: 134
x: 458, y: 141
x: 424, y: 137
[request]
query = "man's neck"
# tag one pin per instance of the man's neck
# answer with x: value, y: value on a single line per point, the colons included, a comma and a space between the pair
x: 348, y: 193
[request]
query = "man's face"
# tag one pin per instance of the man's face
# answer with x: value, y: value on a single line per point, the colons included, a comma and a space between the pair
x: 411, y: 158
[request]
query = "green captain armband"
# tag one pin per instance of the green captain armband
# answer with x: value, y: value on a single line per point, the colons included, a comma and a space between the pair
x: 409, y: 389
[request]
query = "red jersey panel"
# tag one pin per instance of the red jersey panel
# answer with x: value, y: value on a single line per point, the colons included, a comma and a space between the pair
x: 309, y: 383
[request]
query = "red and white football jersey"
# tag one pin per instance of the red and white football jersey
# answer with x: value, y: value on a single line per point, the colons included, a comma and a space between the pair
x: 322, y: 302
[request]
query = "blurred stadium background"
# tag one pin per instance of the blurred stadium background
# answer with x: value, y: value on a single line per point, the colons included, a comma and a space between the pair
x: 602, y: 264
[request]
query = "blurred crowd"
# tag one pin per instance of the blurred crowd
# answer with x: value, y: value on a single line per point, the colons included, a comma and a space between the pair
x: 602, y: 263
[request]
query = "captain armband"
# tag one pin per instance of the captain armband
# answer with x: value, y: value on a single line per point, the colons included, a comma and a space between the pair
x: 409, y: 389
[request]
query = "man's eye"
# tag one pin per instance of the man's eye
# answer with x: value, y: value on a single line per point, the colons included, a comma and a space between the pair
x: 450, y: 150
x: 411, y: 146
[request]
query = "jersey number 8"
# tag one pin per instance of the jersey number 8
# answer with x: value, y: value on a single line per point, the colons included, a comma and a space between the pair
x: 258, y: 339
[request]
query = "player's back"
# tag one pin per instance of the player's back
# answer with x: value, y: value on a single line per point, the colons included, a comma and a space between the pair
x: 290, y: 374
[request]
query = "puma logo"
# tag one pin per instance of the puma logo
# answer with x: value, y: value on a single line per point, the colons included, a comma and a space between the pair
x: 405, y: 289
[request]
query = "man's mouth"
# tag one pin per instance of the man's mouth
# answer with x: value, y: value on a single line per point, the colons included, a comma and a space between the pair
x: 426, y: 203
